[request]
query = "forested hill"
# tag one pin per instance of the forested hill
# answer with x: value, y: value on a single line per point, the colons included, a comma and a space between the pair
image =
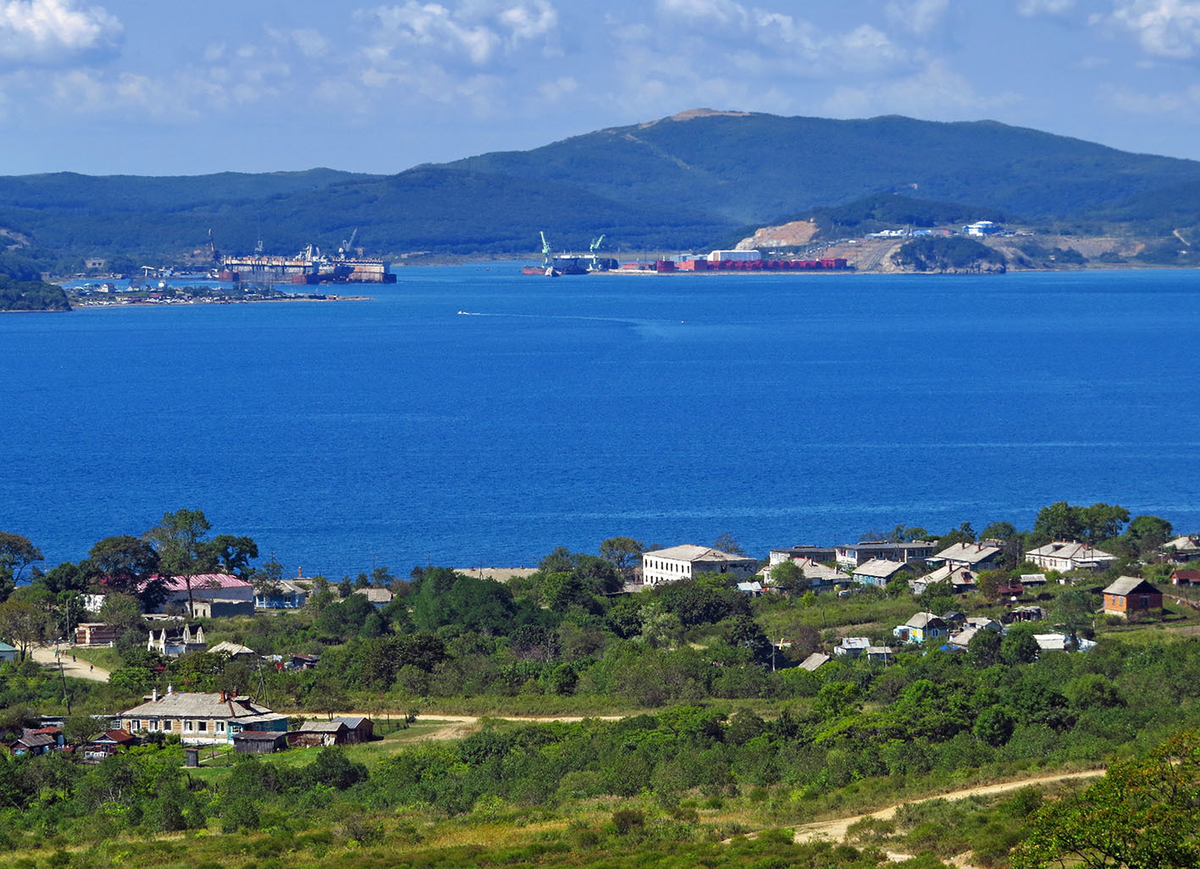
x: 756, y: 167
x: 688, y: 181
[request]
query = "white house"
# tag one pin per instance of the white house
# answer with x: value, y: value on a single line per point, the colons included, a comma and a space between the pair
x: 686, y: 561
x: 1064, y: 555
x: 878, y: 572
x: 975, y: 556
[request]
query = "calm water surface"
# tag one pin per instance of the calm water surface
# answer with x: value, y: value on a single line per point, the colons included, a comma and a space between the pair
x: 782, y: 408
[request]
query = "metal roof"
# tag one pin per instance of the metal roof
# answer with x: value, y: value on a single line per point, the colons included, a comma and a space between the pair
x: 691, y: 552
x: 1126, y: 585
x: 198, y: 705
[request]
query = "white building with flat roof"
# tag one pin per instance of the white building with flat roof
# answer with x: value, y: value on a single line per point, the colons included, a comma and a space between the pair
x: 685, y: 562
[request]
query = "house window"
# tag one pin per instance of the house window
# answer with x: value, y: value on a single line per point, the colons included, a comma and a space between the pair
x: 1145, y: 601
x: 202, y: 726
x: 166, y: 726
x: 220, y: 725
x: 187, y: 725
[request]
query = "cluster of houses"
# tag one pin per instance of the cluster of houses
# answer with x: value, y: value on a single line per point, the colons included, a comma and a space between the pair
x: 200, y: 719
x: 877, y: 563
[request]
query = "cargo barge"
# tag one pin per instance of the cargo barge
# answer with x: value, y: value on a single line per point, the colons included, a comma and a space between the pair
x: 309, y: 266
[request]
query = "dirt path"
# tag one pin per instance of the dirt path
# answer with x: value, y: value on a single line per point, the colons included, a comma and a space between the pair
x: 836, y: 829
x: 75, y: 669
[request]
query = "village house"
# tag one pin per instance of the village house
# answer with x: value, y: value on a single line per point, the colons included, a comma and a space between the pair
x: 854, y: 554
x: 1185, y: 577
x: 200, y: 718
x: 1025, y: 614
x: 107, y: 744
x: 96, y: 634
x: 819, y: 554
x: 287, y: 594
x: 1064, y: 556
x: 961, y: 579
x: 879, y: 654
x: 879, y: 572
x: 1183, y: 549
x: 233, y: 650
x: 35, y: 742
x: 685, y: 562
x: 815, y: 661
x: 379, y: 597
x: 920, y: 628
x: 1131, y: 595
x: 213, y: 594
x: 851, y: 647
x: 972, y: 556
x: 175, y: 641
x: 821, y: 577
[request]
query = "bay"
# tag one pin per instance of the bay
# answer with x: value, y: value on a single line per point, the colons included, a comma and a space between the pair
x: 472, y: 416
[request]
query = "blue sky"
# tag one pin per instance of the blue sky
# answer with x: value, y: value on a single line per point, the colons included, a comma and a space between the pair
x: 137, y: 87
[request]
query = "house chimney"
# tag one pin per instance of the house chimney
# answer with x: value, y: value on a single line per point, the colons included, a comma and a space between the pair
x: 154, y: 696
x: 170, y: 689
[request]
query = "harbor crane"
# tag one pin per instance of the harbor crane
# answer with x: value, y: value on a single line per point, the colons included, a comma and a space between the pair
x: 596, y: 242
x: 547, y: 252
x: 348, y: 246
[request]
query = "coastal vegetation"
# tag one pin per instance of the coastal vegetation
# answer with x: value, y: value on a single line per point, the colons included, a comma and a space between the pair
x: 705, y: 728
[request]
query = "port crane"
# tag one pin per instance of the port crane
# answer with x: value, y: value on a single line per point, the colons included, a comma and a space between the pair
x: 348, y: 246
x: 547, y: 252
x: 596, y: 242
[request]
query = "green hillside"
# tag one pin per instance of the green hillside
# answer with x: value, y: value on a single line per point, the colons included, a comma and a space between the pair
x: 755, y: 168
x: 686, y: 182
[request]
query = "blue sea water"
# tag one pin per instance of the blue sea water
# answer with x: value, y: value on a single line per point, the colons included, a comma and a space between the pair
x: 783, y: 409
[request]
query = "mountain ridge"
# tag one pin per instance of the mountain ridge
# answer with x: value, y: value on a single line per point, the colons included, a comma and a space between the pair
x: 683, y: 181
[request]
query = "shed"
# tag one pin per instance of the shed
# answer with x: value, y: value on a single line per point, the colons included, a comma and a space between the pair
x: 259, y: 742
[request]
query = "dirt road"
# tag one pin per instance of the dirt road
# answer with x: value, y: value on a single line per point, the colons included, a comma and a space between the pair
x: 836, y: 828
x: 75, y: 669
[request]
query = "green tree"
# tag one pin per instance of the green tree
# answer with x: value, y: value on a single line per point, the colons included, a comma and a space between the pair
x: 1144, y: 814
x: 1058, y: 521
x: 788, y: 577
x: 127, y: 565
x: 16, y: 554
x: 625, y: 553
x: 1145, y: 534
x: 182, y: 549
x: 230, y: 554
x: 994, y: 725
x: 1018, y: 645
x: 1076, y: 612
x: 728, y: 543
x: 23, y: 624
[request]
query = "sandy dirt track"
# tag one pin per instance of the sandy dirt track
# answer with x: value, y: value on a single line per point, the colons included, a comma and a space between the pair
x: 836, y: 829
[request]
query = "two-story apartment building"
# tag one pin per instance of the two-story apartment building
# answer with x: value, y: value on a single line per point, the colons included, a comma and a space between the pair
x: 973, y: 556
x: 685, y: 562
x: 854, y: 554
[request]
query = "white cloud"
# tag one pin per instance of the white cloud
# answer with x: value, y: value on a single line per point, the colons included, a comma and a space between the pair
x: 1163, y: 28
x: 918, y: 16
x: 55, y: 32
x: 310, y: 42
x: 935, y: 91
x: 478, y: 31
x: 1030, y: 8
x: 1184, y: 102
x: 718, y: 11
